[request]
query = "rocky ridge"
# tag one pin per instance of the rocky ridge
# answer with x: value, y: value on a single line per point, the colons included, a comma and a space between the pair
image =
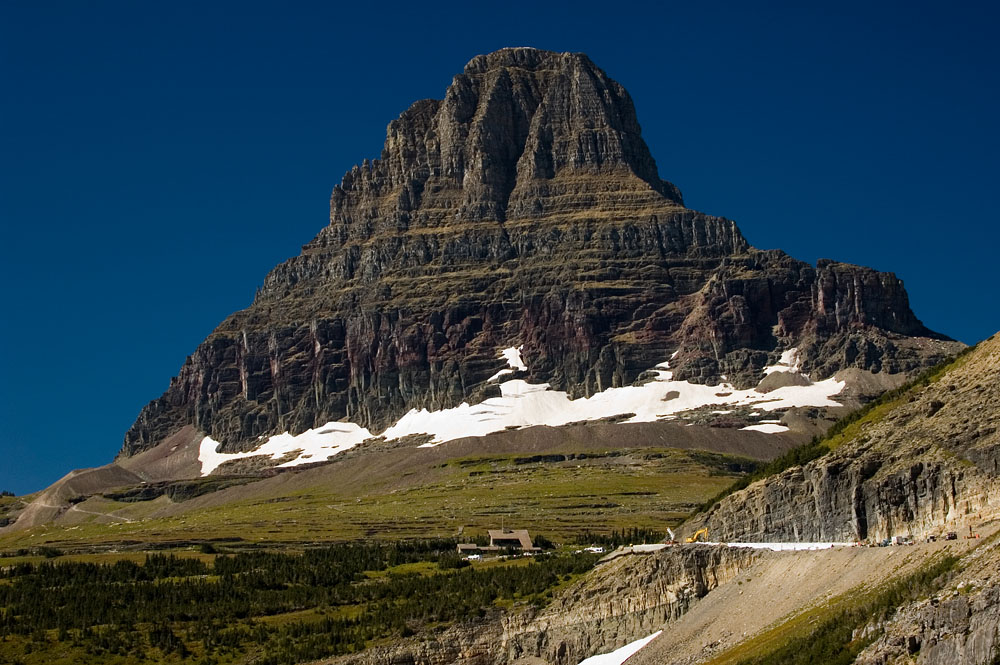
x: 931, y: 465
x: 961, y: 624
x: 523, y: 209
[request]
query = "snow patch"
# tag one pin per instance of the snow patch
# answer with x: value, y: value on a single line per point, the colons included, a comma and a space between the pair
x: 766, y: 428
x: 514, y: 362
x: 317, y: 444
x: 789, y: 362
x: 523, y: 404
x: 496, y: 376
x: 513, y: 356
x: 620, y: 655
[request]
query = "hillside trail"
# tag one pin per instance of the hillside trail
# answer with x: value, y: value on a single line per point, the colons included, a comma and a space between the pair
x: 77, y: 509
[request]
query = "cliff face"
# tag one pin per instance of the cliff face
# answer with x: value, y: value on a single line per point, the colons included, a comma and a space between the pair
x: 523, y: 209
x: 931, y: 464
x: 961, y: 624
x: 623, y: 600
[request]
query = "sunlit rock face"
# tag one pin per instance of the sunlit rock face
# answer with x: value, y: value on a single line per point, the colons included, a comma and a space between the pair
x: 524, y: 210
x: 928, y: 466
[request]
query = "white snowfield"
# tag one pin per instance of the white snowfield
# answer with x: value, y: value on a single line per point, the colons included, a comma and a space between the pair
x: 524, y: 404
x: 514, y: 362
x: 620, y: 655
x: 316, y: 445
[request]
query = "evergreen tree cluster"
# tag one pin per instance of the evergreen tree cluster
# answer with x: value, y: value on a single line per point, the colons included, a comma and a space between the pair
x: 172, y: 609
x: 618, y: 538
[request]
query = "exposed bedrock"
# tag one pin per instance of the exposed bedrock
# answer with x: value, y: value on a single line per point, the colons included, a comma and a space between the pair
x: 958, y: 625
x: 523, y: 209
x: 931, y: 464
x: 623, y: 600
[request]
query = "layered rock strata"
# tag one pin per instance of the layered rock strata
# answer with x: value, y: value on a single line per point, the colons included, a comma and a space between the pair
x: 960, y: 624
x: 524, y: 209
x: 930, y: 465
x: 623, y: 600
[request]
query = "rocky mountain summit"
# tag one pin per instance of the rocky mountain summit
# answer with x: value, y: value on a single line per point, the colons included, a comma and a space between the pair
x: 522, y: 210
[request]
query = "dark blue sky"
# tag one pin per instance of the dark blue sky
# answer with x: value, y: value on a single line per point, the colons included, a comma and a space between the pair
x: 160, y: 158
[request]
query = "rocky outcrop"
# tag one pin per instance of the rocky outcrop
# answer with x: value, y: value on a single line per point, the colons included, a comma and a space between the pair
x: 629, y: 598
x: 523, y: 209
x: 961, y: 624
x: 621, y: 601
x: 962, y: 628
x: 930, y: 464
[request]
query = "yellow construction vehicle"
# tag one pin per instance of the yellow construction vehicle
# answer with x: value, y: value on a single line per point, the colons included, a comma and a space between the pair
x: 700, y: 533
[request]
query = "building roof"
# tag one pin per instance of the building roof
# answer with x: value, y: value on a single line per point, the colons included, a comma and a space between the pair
x: 519, y: 535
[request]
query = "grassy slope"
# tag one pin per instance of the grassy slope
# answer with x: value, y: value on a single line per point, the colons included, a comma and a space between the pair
x: 829, y: 627
x: 649, y: 488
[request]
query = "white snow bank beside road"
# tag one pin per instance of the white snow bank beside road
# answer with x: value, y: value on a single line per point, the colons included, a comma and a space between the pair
x: 784, y: 547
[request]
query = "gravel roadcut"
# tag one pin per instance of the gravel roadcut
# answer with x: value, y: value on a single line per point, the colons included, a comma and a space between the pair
x: 779, y: 586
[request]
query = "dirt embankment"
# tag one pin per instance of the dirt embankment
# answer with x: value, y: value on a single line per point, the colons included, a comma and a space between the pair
x: 779, y: 586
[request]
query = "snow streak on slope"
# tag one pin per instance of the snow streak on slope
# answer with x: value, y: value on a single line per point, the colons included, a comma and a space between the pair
x: 316, y: 445
x: 524, y: 404
x: 514, y: 360
x: 766, y: 428
x: 789, y: 363
x: 620, y: 655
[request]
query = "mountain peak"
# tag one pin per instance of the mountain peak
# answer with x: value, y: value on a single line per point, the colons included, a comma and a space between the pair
x: 517, y: 134
x: 523, y: 210
x: 524, y: 57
